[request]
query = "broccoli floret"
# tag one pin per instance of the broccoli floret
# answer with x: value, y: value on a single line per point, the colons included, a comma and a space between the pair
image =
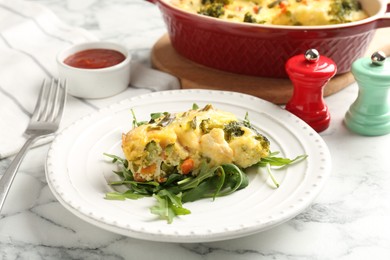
x: 341, y: 8
x: 207, y: 125
x: 351, y: 5
x: 213, y: 10
x: 248, y: 18
x: 232, y: 129
x: 223, y: 2
x: 263, y: 141
x: 192, y: 124
x: 152, y: 151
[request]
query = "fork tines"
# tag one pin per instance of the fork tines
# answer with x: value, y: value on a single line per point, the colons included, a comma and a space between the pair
x: 50, y: 93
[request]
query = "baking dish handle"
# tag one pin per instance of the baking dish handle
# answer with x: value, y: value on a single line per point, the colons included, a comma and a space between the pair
x: 385, y: 20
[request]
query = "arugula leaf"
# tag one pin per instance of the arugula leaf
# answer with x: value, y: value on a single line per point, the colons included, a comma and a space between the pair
x: 237, y: 178
x: 268, y: 167
x: 225, y: 180
x: 168, y: 206
x: 154, y: 116
x: 246, y: 121
x: 116, y: 158
x: 205, y: 189
x: 279, y: 161
x: 221, y: 181
x: 136, y: 123
x: 123, y: 195
x: 172, y: 179
x: 272, y: 160
x: 204, y: 173
x: 149, y: 183
x: 162, y: 209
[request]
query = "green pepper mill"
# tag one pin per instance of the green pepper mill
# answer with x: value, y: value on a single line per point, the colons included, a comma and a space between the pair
x: 370, y: 113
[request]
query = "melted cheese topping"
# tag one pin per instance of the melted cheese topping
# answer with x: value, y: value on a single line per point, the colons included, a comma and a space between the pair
x: 156, y: 149
x: 285, y: 12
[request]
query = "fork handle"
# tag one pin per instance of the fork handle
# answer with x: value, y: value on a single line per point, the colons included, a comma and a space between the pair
x: 10, y: 173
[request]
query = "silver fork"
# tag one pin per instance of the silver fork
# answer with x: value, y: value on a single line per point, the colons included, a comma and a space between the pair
x: 44, y: 121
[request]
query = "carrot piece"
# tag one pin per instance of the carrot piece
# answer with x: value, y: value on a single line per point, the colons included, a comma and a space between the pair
x: 138, y: 177
x: 149, y: 169
x: 283, y: 7
x: 187, y: 166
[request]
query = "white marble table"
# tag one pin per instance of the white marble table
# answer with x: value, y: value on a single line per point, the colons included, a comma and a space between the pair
x: 348, y: 220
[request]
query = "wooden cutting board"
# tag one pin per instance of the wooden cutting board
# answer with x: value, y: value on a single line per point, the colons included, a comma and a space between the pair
x: 278, y: 91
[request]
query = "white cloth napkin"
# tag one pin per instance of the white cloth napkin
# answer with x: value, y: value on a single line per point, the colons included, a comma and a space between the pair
x: 30, y: 38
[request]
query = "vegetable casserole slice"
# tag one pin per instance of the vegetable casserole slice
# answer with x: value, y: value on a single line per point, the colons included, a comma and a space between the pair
x: 278, y: 12
x: 182, y: 142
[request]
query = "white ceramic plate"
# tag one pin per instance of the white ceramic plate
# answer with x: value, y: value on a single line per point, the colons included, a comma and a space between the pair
x: 77, y: 172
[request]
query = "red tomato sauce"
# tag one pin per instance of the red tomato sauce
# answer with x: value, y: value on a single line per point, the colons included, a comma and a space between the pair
x: 95, y: 59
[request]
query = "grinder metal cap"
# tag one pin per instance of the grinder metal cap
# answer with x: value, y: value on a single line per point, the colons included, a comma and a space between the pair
x: 376, y: 67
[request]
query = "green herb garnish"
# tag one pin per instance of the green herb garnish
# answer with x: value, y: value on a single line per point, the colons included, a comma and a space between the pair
x: 178, y: 189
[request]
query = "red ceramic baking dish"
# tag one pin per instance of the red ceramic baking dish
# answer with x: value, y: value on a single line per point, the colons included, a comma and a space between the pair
x: 262, y: 50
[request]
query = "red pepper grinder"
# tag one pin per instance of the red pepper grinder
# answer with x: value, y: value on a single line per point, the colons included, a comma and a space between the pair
x: 309, y: 74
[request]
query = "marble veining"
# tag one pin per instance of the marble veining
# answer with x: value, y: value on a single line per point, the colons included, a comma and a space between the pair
x: 349, y: 219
